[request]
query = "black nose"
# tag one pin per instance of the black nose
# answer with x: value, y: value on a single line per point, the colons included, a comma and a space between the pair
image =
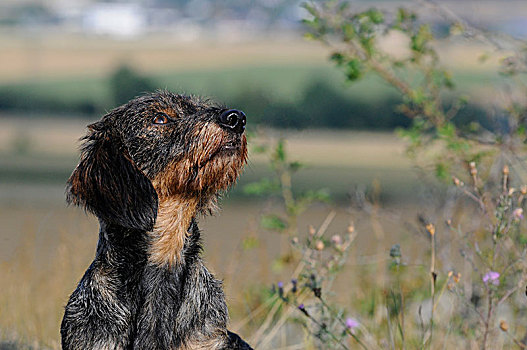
x: 233, y: 119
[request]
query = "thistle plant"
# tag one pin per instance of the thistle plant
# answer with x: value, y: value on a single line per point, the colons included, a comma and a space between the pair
x: 305, y: 299
x: 483, y: 211
x: 494, y: 247
x: 280, y: 186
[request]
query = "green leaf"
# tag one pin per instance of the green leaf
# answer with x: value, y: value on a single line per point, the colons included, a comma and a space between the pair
x: 419, y: 41
x: 404, y: 19
x: 321, y: 195
x: 338, y: 58
x: 273, y: 222
x: 258, y: 149
x: 280, y: 153
x: 348, y: 30
x: 442, y: 171
x: 250, y: 243
x: 262, y: 187
x: 447, y: 80
x: 311, y: 9
x: 367, y: 44
x: 418, y: 96
x: 295, y: 166
x: 375, y: 16
x: 448, y: 130
x: 354, y: 69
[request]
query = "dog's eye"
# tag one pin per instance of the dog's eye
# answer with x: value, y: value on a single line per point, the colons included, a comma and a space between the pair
x: 160, y: 118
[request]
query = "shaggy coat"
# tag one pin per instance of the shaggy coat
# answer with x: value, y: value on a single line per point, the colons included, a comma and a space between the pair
x: 147, y: 169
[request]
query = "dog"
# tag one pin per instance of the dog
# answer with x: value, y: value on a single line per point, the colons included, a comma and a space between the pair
x: 147, y: 170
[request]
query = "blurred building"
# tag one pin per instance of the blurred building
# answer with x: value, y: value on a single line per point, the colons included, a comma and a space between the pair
x: 120, y: 20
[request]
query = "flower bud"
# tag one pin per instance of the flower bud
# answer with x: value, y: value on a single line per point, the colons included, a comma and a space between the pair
x: 504, y: 326
x: 431, y: 229
x: 336, y: 239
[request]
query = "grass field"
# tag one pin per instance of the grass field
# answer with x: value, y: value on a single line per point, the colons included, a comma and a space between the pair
x: 46, y: 246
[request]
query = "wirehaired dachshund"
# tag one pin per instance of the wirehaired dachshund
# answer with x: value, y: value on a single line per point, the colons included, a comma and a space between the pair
x: 146, y: 170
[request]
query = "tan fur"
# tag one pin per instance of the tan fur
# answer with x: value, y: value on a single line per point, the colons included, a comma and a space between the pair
x: 204, y: 171
x: 168, y: 237
x: 189, y: 185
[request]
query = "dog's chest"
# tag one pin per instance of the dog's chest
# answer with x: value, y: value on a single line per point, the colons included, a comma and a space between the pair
x: 184, y: 308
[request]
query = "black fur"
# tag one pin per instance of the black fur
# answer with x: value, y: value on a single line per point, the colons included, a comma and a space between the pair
x: 123, y: 301
x: 109, y: 185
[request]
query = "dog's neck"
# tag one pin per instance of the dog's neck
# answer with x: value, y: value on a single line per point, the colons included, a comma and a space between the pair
x: 174, y: 216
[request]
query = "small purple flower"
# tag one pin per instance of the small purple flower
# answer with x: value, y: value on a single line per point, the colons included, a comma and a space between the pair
x: 302, y: 308
x: 352, y: 324
x: 280, y: 289
x: 492, y: 277
x: 518, y: 214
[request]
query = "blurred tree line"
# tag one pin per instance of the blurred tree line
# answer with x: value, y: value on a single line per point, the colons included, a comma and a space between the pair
x: 320, y: 104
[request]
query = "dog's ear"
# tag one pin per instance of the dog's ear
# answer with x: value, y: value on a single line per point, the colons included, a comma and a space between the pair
x: 108, y: 183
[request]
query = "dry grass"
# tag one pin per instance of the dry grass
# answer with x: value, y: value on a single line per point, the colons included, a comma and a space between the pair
x: 45, y: 262
x: 49, y: 247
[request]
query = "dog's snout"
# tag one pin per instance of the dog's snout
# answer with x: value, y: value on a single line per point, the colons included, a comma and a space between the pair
x: 233, y: 119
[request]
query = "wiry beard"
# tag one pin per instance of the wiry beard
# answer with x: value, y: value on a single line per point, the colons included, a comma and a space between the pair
x: 211, y: 165
x: 190, y: 186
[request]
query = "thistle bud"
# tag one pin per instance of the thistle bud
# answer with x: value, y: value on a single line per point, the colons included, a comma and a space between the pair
x: 473, y: 170
x: 431, y: 229
x: 280, y: 289
x: 294, y: 282
x: 517, y: 214
x: 457, y: 277
x: 336, y: 239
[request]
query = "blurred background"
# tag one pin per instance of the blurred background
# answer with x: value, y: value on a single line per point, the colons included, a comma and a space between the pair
x: 63, y: 64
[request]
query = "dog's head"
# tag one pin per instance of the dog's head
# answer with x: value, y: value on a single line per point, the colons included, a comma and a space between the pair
x: 154, y: 147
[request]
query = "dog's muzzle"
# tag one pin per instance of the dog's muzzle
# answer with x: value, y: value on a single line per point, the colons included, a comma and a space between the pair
x: 233, y: 120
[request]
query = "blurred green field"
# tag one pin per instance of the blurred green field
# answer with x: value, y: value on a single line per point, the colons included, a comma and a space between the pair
x: 283, y: 81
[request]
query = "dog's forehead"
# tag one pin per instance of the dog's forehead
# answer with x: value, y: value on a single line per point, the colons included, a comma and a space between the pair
x: 176, y: 105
